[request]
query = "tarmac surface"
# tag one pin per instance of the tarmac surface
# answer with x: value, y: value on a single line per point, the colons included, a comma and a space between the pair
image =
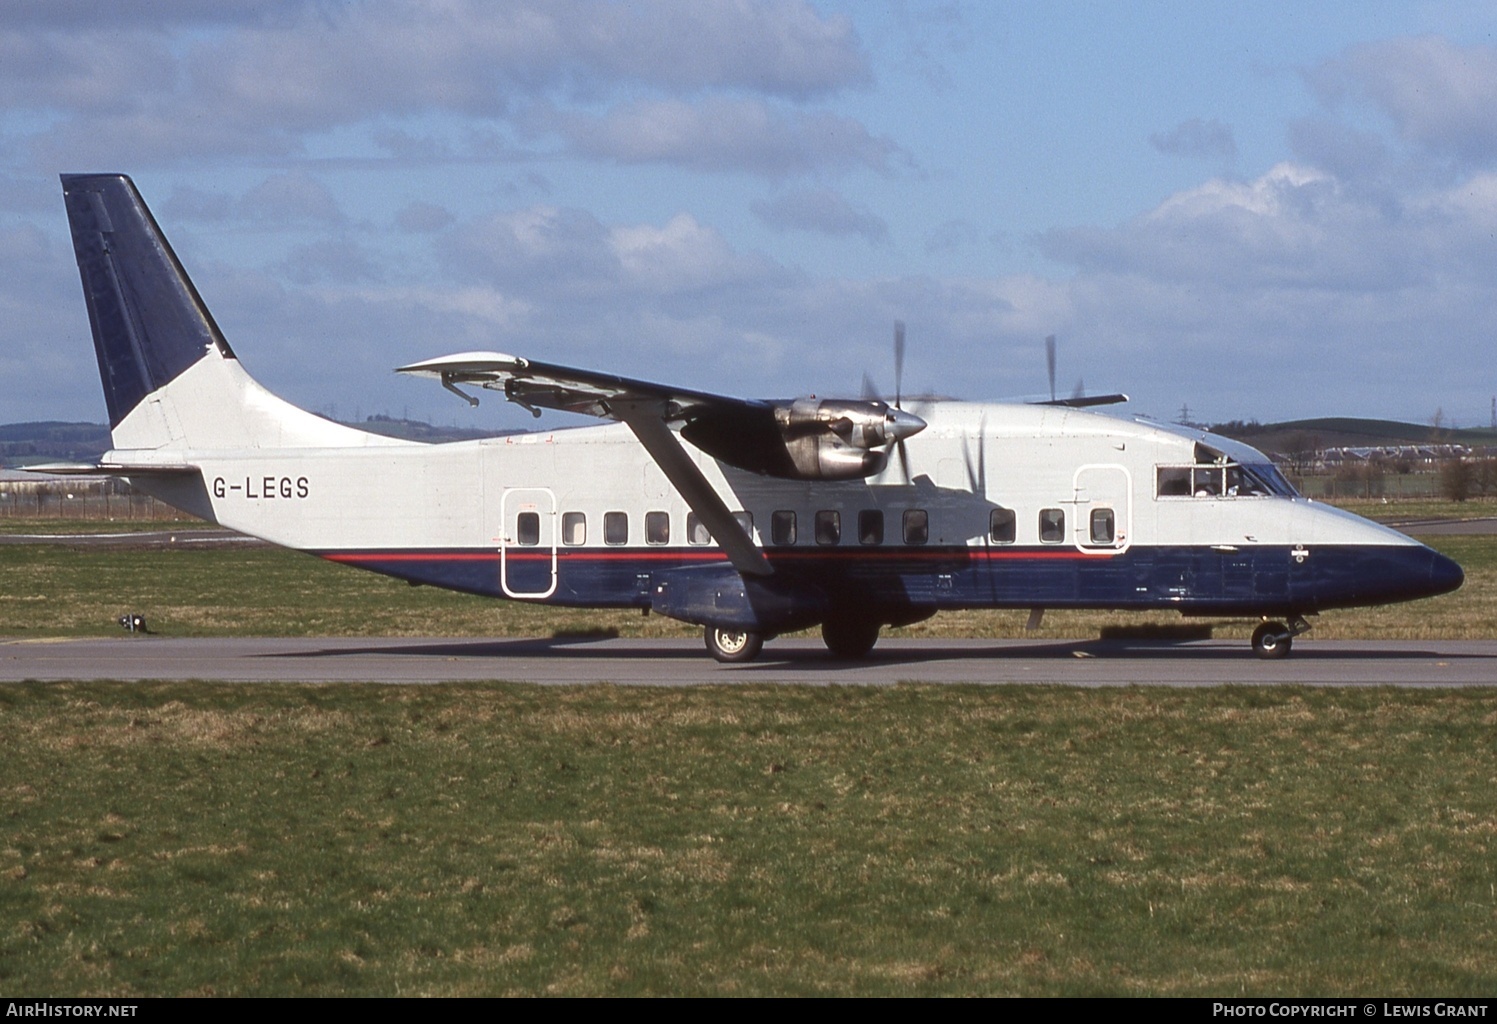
x: 803, y: 662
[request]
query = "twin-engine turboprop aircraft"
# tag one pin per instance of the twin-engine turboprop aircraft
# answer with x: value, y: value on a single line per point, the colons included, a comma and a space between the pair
x: 750, y: 518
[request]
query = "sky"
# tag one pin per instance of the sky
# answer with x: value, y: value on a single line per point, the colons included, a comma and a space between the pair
x: 1262, y: 211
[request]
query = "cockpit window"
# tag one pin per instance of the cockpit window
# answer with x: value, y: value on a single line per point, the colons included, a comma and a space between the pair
x: 1221, y: 480
x: 1268, y: 476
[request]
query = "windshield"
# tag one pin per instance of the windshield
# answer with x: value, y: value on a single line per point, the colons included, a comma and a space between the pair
x: 1270, y: 479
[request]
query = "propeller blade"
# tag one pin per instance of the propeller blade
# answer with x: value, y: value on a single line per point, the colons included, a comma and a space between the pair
x: 870, y: 389
x: 1050, y: 363
x: 1080, y: 391
x: 898, y: 362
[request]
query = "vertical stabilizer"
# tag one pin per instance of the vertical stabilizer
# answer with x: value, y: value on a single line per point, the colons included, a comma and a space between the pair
x: 148, y: 321
x: 170, y: 379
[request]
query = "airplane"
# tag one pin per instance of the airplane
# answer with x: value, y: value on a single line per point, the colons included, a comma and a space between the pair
x: 748, y: 517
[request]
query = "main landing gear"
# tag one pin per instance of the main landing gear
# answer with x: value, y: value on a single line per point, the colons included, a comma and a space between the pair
x: 733, y: 646
x: 849, y: 638
x: 1272, y: 640
x: 845, y: 638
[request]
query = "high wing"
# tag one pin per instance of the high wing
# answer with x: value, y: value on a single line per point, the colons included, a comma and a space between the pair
x: 797, y: 439
x: 1085, y: 401
x: 536, y: 386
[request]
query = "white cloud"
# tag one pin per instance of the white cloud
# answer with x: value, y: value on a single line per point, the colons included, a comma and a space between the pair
x: 1197, y: 138
x: 719, y: 134
x: 423, y: 217
x: 296, y: 198
x: 1294, y: 275
x: 164, y: 88
x: 1434, y: 92
x: 821, y: 210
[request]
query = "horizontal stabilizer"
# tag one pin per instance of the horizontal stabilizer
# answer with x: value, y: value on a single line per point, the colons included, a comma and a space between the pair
x: 108, y: 469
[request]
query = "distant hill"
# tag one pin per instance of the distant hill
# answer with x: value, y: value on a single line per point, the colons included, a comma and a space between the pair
x: 25, y: 444
x: 416, y: 430
x: 1348, y: 432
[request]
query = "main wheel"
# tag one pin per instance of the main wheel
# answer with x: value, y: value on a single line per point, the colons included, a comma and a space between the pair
x: 849, y: 638
x: 1272, y: 640
x: 733, y: 646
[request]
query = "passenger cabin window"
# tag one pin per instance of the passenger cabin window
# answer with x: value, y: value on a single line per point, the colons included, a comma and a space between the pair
x: 782, y: 528
x: 528, y: 528
x: 828, y: 527
x: 573, y: 528
x: 696, y: 533
x: 657, y: 528
x: 615, y: 527
x: 1003, y: 526
x: 1104, y: 526
x: 1052, y: 526
x: 916, y: 526
x: 870, y: 526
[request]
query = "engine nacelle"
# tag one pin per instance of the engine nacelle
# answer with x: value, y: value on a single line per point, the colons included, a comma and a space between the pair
x: 864, y: 424
x: 825, y: 457
x: 806, y: 439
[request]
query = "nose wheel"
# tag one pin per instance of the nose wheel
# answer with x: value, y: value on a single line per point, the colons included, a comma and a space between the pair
x: 1272, y: 640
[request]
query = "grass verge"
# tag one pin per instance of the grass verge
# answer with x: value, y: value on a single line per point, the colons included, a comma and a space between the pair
x: 508, y: 840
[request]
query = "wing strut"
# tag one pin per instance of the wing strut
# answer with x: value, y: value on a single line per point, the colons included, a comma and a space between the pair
x: 646, y: 418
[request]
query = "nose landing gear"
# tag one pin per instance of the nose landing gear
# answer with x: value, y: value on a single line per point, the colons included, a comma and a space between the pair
x: 1272, y: 640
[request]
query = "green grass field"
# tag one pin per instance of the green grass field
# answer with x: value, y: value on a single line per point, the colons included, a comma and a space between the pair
x: 511, y: 840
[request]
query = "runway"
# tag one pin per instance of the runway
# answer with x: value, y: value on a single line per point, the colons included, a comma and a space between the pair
x: 801, y: 662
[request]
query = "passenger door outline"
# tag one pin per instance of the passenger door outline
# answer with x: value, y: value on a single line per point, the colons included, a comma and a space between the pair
x: 526, y: 584
x: 1098, y: 486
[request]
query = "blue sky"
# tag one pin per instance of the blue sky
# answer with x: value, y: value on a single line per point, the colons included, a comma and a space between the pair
x: 1258, y: 210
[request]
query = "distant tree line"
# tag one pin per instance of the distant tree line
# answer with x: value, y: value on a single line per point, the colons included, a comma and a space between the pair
x: 1472, y: 477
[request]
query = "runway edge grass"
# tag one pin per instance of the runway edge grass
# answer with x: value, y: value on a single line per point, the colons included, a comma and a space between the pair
x: 163, y: 839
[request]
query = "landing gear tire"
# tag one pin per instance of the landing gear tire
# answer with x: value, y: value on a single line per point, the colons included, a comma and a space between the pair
x: 1272, y: 640
x: 733, y: 646
x: 849, y: 638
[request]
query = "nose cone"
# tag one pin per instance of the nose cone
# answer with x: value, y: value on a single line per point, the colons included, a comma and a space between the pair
x: 900, y: 424
x: 1355, y: 577
x: 1444, y: 574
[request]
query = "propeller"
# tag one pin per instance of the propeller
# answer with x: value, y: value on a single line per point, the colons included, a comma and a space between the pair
x: 898, y: 362
x: 904, y: 423
x: 904, y: 459
x: 1050, y: 363
x: 1078, y: 399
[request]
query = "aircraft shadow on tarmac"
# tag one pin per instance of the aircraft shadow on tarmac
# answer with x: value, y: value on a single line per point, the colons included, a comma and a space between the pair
x: 777, y: 656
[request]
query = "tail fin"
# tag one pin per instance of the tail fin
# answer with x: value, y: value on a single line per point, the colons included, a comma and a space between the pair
x: 170, y: 379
